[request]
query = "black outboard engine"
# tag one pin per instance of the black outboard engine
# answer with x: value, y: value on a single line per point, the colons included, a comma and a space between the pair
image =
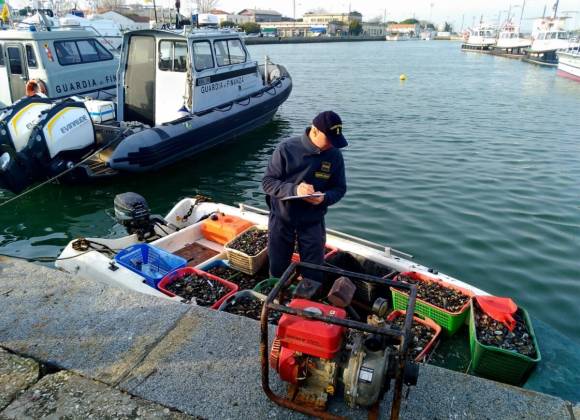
x: 39, y: 140
x: 132, y: 211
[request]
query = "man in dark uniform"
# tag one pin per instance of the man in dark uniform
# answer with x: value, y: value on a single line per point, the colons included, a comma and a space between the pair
x: 304, y: 165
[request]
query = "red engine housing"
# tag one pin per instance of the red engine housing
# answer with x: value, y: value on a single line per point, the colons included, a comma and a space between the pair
x: 314, y: 338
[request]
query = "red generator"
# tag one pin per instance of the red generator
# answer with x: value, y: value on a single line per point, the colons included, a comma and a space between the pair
x: 320, y: 352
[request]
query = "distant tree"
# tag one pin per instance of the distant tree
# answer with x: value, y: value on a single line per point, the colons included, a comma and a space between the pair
x: 376, y: 19
x: 251, y: 28
x: 318, y: 11
x: 355, y: 27
x: 411, y: 21
x: 448, y: 27
x: 204, y: 6
x: 430, y: 26
x: 391, y: 22
x: 228, y: 24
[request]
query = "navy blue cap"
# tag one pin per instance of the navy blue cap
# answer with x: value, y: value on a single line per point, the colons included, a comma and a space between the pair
x: 331, y: 125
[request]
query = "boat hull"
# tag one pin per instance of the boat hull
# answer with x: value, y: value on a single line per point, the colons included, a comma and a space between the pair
x: 163, y: 145
x: 569, y: 66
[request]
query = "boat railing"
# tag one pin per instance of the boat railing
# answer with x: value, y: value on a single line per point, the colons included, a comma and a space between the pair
x: 99, y: 34
x: 387, y: 250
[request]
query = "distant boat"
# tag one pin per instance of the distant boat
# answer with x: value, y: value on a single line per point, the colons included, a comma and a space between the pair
x: 480, y: 38
x: 427, y: 35
x: 569, y: 61
x: 398, y: 36
x: 549, y: 35
x: 510, y: 40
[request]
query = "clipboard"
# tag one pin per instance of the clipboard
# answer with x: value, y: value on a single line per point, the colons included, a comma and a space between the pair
x: 299, y: 197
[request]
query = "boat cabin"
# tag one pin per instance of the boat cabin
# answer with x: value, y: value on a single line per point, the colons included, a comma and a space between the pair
x: 552, y: 35
x: 164, y: 76
x: 68, y: 62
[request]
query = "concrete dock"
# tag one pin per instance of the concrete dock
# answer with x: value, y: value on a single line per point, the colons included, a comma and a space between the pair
x: 75, y: 348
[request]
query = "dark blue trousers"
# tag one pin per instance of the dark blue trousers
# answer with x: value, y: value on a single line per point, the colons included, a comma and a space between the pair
x: 281, y: 238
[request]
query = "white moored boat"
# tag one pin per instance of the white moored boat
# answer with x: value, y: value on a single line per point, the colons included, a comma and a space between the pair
x: 398, y: 36
x: 481, y: 38
x: 569, y: 61
x: 183, y: 256
x: 181, y: 231
x: 549, y: 36
x: 510, y: 40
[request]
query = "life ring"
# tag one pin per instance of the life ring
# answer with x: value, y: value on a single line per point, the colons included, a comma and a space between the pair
x: 36, y: 87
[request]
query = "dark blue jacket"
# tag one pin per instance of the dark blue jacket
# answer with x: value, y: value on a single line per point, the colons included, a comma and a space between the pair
x: 297, y: 160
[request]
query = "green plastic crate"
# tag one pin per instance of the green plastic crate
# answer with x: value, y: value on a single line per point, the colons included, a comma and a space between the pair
x: 498, y: 364
x: 450, y: 322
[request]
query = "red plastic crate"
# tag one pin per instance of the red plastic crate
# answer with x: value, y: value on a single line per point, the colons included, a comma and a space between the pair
x: 329, y: 252
x: 171, y: 277
x: 426, y: 322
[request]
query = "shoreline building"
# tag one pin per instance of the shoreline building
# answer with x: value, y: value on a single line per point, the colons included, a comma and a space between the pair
x: 322, y: 24
x: 223, y: 16
x: 411, y: 29
x: 127, y: 21
x: 258, y: 15
x: 326, y: 18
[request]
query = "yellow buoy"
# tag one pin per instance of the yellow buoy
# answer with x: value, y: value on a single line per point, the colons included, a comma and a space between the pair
x: 402, y: 77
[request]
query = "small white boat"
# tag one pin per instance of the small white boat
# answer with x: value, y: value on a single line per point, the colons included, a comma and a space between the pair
x: 569, y: 61
x: 398, y: 36
x: 510, y: 40
x: 188, y: 240
x: 549, y: 35
x: 428, y: 35
x: 481, y: 38
x: 181, y: 230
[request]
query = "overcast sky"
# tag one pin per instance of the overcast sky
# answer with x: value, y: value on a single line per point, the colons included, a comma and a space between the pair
x: 454, y: 11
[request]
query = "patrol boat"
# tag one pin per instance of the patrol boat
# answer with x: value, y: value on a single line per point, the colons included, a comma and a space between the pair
x: 176, y: 96
x: 55, y: 63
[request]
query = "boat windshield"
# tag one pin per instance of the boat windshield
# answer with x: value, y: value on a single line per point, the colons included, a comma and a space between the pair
x: 562, y: 35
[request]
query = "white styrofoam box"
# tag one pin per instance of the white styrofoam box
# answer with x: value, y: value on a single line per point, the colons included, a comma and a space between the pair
x: 101, y: 111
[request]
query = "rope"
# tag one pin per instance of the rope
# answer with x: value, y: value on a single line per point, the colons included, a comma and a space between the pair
x: 43, y: 259
x: 54, y: 178
x: 83, y: 243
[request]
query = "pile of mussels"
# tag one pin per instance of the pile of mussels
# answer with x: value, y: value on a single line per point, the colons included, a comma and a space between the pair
x: 198, y: 289
x: 494, y: 333
x: 251, y: 242
x: 250, y: 308
x: 222, y: 272
x: 436, y: 294
x: 422, y: 335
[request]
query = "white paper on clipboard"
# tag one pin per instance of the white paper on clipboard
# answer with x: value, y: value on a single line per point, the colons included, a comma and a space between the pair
x: 299, y: 197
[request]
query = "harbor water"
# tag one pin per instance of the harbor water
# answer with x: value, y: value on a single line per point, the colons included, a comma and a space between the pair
x: 472, y: 164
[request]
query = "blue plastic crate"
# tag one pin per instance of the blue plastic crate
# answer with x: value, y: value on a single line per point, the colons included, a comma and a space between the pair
x: 150, y: 262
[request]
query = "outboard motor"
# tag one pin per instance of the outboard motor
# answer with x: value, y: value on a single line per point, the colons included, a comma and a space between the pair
x: 132, y: 211
x: 16, y: 125
x: 60, y: 137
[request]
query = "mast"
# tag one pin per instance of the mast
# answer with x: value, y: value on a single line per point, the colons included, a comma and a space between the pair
x: 522, y: 15
x: 556, y: 8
